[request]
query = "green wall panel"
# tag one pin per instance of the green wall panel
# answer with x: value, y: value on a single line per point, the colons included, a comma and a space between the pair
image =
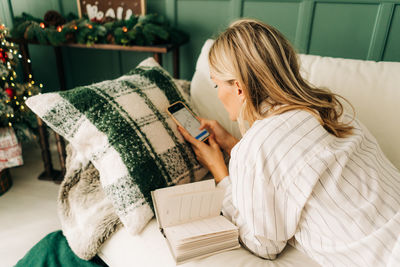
x: 342, y: 30
x: 202, y: 20
x: 282, y: 15
x: 87, y: 66
x: 392, y: 51
x: 363, y: 29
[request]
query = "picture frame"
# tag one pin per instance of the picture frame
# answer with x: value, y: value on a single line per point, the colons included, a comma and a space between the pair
x: 121, y: 9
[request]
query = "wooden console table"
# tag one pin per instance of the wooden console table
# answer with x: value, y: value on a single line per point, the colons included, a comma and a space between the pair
x: 49, y: 172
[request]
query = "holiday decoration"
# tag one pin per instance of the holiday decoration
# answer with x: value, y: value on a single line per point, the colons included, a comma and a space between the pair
x: 10, y: 149
x: 13, y: 112
x: 151, y: 29
x: 117, y: 9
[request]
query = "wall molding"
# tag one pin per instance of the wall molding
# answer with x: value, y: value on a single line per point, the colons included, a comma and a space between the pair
x: 380, y: 31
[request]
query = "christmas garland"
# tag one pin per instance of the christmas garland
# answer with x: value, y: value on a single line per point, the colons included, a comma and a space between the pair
x: 151, y: 29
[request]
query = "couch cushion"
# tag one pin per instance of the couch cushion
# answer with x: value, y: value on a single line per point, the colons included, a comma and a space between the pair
x: 372, y: 87
x: 123, y: 250
x: 121, y: 126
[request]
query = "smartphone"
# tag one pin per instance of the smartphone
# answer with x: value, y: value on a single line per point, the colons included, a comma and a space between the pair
x: 182, y: 116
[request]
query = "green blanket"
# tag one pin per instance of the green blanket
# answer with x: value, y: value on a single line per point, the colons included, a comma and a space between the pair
x: 53, y: 250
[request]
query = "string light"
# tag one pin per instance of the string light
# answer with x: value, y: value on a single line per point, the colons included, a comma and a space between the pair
x: 12, y: 115
x: 29, y: 61
x: 59, y: 28
x: 124, y: 29
x: 30, y: 75
x: 22, y: 107
x: 42, y: 25
x: 17, y: 103
x: 33, y: 82
x: 29, y: 93
x: 19, y: 55
x: 90, y: 26
x: 41, y: 85
x: 10, y: 124
x: 8, y: 115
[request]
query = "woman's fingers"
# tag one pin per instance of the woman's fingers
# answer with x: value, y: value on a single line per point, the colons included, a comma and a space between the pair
x: 212, y: 142
x: 188, y: 137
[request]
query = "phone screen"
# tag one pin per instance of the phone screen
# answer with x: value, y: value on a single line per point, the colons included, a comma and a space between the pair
x: 188, y: 121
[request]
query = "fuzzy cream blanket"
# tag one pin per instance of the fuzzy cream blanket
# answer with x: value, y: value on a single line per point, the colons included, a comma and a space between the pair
x: 87, y: 216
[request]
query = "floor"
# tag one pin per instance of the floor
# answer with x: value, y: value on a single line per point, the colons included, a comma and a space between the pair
x: 28, y: 211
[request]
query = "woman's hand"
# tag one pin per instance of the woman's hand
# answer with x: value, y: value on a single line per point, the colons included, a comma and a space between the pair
x: 224, y: 139
x: 210, y: 156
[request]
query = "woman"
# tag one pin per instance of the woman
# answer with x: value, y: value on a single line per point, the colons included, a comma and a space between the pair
x: 304, y: 173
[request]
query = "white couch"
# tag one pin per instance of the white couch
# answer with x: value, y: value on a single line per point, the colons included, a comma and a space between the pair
x: 372, y: 87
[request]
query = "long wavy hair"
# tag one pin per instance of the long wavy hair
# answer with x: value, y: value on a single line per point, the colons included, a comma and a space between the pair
x: 266, y: 66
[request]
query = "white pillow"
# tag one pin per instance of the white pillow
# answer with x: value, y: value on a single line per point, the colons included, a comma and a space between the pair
x: 372, y: 87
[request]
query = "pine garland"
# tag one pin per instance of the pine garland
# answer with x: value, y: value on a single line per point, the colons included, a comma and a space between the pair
x: 150, y: 29
x: 13, y: 112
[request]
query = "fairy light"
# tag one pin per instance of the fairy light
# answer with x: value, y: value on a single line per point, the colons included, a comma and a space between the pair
x: 9, y: 124
x: 30, y: 75
x: 42, y: 25
x: 59, y: 28
x: 33, y: 82
x: 28, y: 60
x: 41, y: 85
x: 25, y: 98
x: 124, y: 29
x: 15, y: 97
x: 90, y: 26
x: 29, y: 93
x: 11, y: 78
x: 12, y: 84
x: 22, y: 107
x: 19, y: 55
x: 12, y: 115
x: 75, y: 27
x: 17, y: 103
x: 8, y: 115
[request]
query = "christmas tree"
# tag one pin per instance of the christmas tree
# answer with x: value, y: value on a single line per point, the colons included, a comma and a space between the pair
x: 13, y: 111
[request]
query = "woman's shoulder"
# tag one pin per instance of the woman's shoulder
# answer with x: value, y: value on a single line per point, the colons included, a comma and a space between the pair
x: 295, y: 132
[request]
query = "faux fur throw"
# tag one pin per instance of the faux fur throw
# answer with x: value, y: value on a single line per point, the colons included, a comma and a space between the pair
x: 87, y: 216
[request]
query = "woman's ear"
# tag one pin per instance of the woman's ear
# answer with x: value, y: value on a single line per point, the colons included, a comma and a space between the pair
x: 239, y: 90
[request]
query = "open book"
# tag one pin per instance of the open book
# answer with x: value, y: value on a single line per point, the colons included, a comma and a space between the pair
x: 189, y: 217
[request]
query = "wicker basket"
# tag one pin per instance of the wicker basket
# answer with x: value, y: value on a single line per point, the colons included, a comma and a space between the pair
x: 5, y: 181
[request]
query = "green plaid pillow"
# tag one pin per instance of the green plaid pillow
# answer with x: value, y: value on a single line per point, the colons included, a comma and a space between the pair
x: 122, y: 127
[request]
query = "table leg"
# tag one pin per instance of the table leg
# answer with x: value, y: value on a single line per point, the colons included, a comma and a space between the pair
x: 49, y: 173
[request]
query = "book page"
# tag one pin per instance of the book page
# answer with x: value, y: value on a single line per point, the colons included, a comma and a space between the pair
x: 199, y: 228
x: 188, y: 207
x: 162, y: 200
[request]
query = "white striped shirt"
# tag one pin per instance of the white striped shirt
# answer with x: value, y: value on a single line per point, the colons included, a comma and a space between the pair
x: 335, y: 199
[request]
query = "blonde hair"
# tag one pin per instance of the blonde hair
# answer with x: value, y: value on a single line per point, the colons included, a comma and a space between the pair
x: 267, y: 68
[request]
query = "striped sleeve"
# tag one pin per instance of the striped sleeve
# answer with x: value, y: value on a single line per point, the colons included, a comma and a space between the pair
x: 252, y: 234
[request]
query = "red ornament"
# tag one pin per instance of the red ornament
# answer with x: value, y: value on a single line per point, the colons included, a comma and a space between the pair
x: 10, y: 92
x: 3, y: 56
